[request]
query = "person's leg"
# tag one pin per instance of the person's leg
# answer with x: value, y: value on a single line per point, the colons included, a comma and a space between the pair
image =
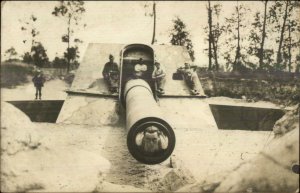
x: 36, y: 92
x: 114, y: 83
x: 162, y: 83
x: 40, y: 92
x: 194, y: 88
x: 196, y: 83
x: 193, y: 81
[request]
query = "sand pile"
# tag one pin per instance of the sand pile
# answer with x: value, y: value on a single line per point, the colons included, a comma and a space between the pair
x: 269, y: 171
x: 288, y: 122
x: 30, y: 162
x: 17, y: 131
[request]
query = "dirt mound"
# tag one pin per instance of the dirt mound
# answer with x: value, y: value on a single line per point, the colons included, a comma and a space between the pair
x: 32, y: 161
x: 17, y: 131
x: 270, y: 171
x: 288, y: 122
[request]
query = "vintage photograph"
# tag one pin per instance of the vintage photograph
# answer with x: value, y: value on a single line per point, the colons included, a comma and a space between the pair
x: 150, y: 96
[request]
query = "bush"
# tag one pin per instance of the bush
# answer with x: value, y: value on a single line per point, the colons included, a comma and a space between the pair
x: 13, y: 75
x: 68, y: 78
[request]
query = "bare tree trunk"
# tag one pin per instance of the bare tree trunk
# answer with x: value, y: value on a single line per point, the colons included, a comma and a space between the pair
x: 289, y: 49
x: 214, y: 42
x: 68, y: 50
x: 209, y: 37
x: 154, y: 22
x: 212, y: 38
x: 261, y: 51
x: 279, y: 58
x: 237, y: 61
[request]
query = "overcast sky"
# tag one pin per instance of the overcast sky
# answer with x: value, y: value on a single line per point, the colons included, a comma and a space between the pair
x: 109, y: 22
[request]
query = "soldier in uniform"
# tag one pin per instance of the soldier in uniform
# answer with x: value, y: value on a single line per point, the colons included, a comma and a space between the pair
x: 191, y: 78
x: 140, y: 69
x: 111, y: 74
x: 38, y: 81
x: 158, y: 76
x: 152, y: 140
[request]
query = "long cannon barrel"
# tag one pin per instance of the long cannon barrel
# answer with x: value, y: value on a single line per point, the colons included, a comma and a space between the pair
x: 150, y: 138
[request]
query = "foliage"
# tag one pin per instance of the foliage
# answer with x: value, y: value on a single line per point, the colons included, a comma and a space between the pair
x: 11, y: 54
x: 27, y: 58
x: 13, y: 75
x: 29, y: 27
x: 71, y: 11
x: 179, y: 36
x: 257, y: 37
x: 235, y: 53
x: 287, y: 28
x: 59, y: 63
x: 277, y: 87
x: 214, y: 30
x: 72, y: 55
x: 39, y: 55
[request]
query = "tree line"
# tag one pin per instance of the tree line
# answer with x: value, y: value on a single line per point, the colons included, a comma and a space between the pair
x: 71, y: 12
x: 270, y: 42
x: 277, y: 24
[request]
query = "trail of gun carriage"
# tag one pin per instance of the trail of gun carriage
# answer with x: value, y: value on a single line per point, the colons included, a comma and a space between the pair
x: 150, y: 96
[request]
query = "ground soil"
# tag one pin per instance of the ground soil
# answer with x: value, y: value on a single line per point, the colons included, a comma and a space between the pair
x: 102, y: 151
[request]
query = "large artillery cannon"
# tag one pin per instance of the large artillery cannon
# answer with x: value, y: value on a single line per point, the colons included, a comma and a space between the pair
x: 150, y: 138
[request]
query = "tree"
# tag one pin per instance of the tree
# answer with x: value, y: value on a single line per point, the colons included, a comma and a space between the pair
x: 297, y: 68
x: 282, y: 17
x: 71, y: 55
x: 263, y: 36
x: 72, y: 12
x: 59, y: 62
x: 279, y: 55
x: 290, y: 42
x: 233, y: 30
x: 181, y: 37
x: 154, y: 23
x: 152, y: 13
x: 11, y: 54
x: 29, y: 26
x: 210, y: 38
x: 27, y: 58
x: 214, y: 31
x: 39, y: 55
x: 257, y: 38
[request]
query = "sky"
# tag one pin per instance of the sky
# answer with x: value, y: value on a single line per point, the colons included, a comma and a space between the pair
x: 109, y: 22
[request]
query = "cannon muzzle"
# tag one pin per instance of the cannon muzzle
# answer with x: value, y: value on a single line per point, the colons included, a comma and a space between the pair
x: 150, y: 139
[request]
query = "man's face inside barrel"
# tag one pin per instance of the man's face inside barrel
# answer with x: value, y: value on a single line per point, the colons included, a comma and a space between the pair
x: 152, y: 140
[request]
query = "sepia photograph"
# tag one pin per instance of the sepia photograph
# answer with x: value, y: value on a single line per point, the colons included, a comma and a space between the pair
x: 150, y: 96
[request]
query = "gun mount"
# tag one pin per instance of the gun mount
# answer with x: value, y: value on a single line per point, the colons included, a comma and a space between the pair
x: 150, y: 139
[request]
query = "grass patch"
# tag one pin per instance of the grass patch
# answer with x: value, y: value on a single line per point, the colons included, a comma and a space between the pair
x: 13, y: 74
